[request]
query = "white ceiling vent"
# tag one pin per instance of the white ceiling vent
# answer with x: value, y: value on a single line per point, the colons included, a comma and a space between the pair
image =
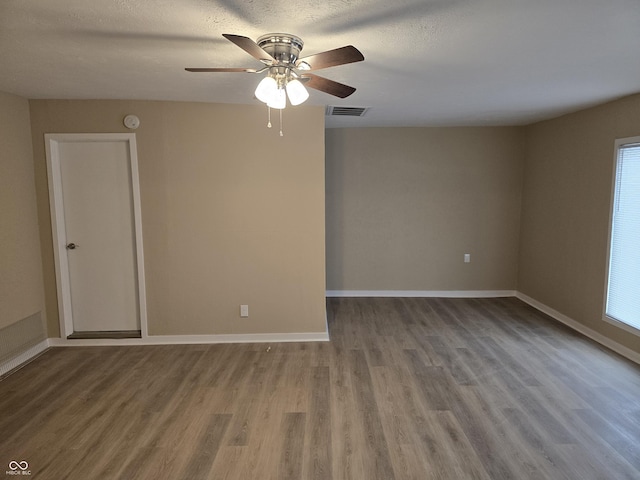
x: 333, y: 111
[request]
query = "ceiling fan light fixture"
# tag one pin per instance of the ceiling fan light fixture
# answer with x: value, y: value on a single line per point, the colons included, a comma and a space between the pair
x: 278, y: 100
x: 280, y: 54
x: 266, y: 89
x: 296, y: 92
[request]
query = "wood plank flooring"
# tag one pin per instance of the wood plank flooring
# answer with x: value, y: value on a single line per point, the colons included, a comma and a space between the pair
x: 407, y: 388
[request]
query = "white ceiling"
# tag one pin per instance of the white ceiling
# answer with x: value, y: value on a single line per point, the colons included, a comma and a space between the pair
x: 427, y: 62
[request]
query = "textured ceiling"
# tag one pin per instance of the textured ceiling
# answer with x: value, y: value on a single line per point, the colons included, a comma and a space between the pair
x: 427, y: 62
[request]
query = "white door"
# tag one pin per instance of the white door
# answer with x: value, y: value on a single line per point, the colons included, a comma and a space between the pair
x: 94, y: 185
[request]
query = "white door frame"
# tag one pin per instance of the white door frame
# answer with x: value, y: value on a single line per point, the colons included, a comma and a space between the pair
x: 52, y: 142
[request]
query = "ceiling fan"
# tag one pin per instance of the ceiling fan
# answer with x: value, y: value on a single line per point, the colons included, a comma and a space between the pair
x: 286, y: 72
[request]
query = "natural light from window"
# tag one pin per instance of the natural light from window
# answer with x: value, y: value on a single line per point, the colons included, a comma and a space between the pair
x: 623, y: 290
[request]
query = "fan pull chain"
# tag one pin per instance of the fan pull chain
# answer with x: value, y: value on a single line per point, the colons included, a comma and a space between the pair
x: 281, y: 134
x: 269, y: 115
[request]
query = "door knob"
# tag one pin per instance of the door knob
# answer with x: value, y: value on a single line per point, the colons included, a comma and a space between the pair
x: 71, y: 246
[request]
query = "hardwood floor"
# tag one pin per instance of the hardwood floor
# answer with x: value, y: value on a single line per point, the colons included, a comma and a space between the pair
x: 406, y: 389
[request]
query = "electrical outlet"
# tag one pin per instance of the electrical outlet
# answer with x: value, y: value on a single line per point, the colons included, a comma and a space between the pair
x: 244, y: 310
x: 467, y: 258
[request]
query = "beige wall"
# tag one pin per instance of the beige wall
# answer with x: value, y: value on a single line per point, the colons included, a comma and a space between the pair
x: 20, y: 265
x: 232, y: 213
x: 404, y: 205
x: 226, y: 221
x: 565, y: 214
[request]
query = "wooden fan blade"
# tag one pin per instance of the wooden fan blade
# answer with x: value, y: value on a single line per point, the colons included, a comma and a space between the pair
x: 328, y: 86
x: 249, y: 46
x: 233, y: 70
x: 332, y: 58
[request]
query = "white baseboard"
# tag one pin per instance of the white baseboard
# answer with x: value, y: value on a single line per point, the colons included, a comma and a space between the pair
x: 24, y: 357
x: 194, y: 339
x: 578, y: 327
x: 422, y: 293
x: 317, y: 336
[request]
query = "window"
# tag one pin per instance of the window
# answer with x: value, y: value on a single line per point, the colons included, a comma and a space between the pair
x: 623, y: 286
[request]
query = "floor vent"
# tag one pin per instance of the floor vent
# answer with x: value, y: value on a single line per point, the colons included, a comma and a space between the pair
x: 333, y: 111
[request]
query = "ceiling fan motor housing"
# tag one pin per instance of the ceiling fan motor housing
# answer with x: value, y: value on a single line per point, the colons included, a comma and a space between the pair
x: 285, y: 48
